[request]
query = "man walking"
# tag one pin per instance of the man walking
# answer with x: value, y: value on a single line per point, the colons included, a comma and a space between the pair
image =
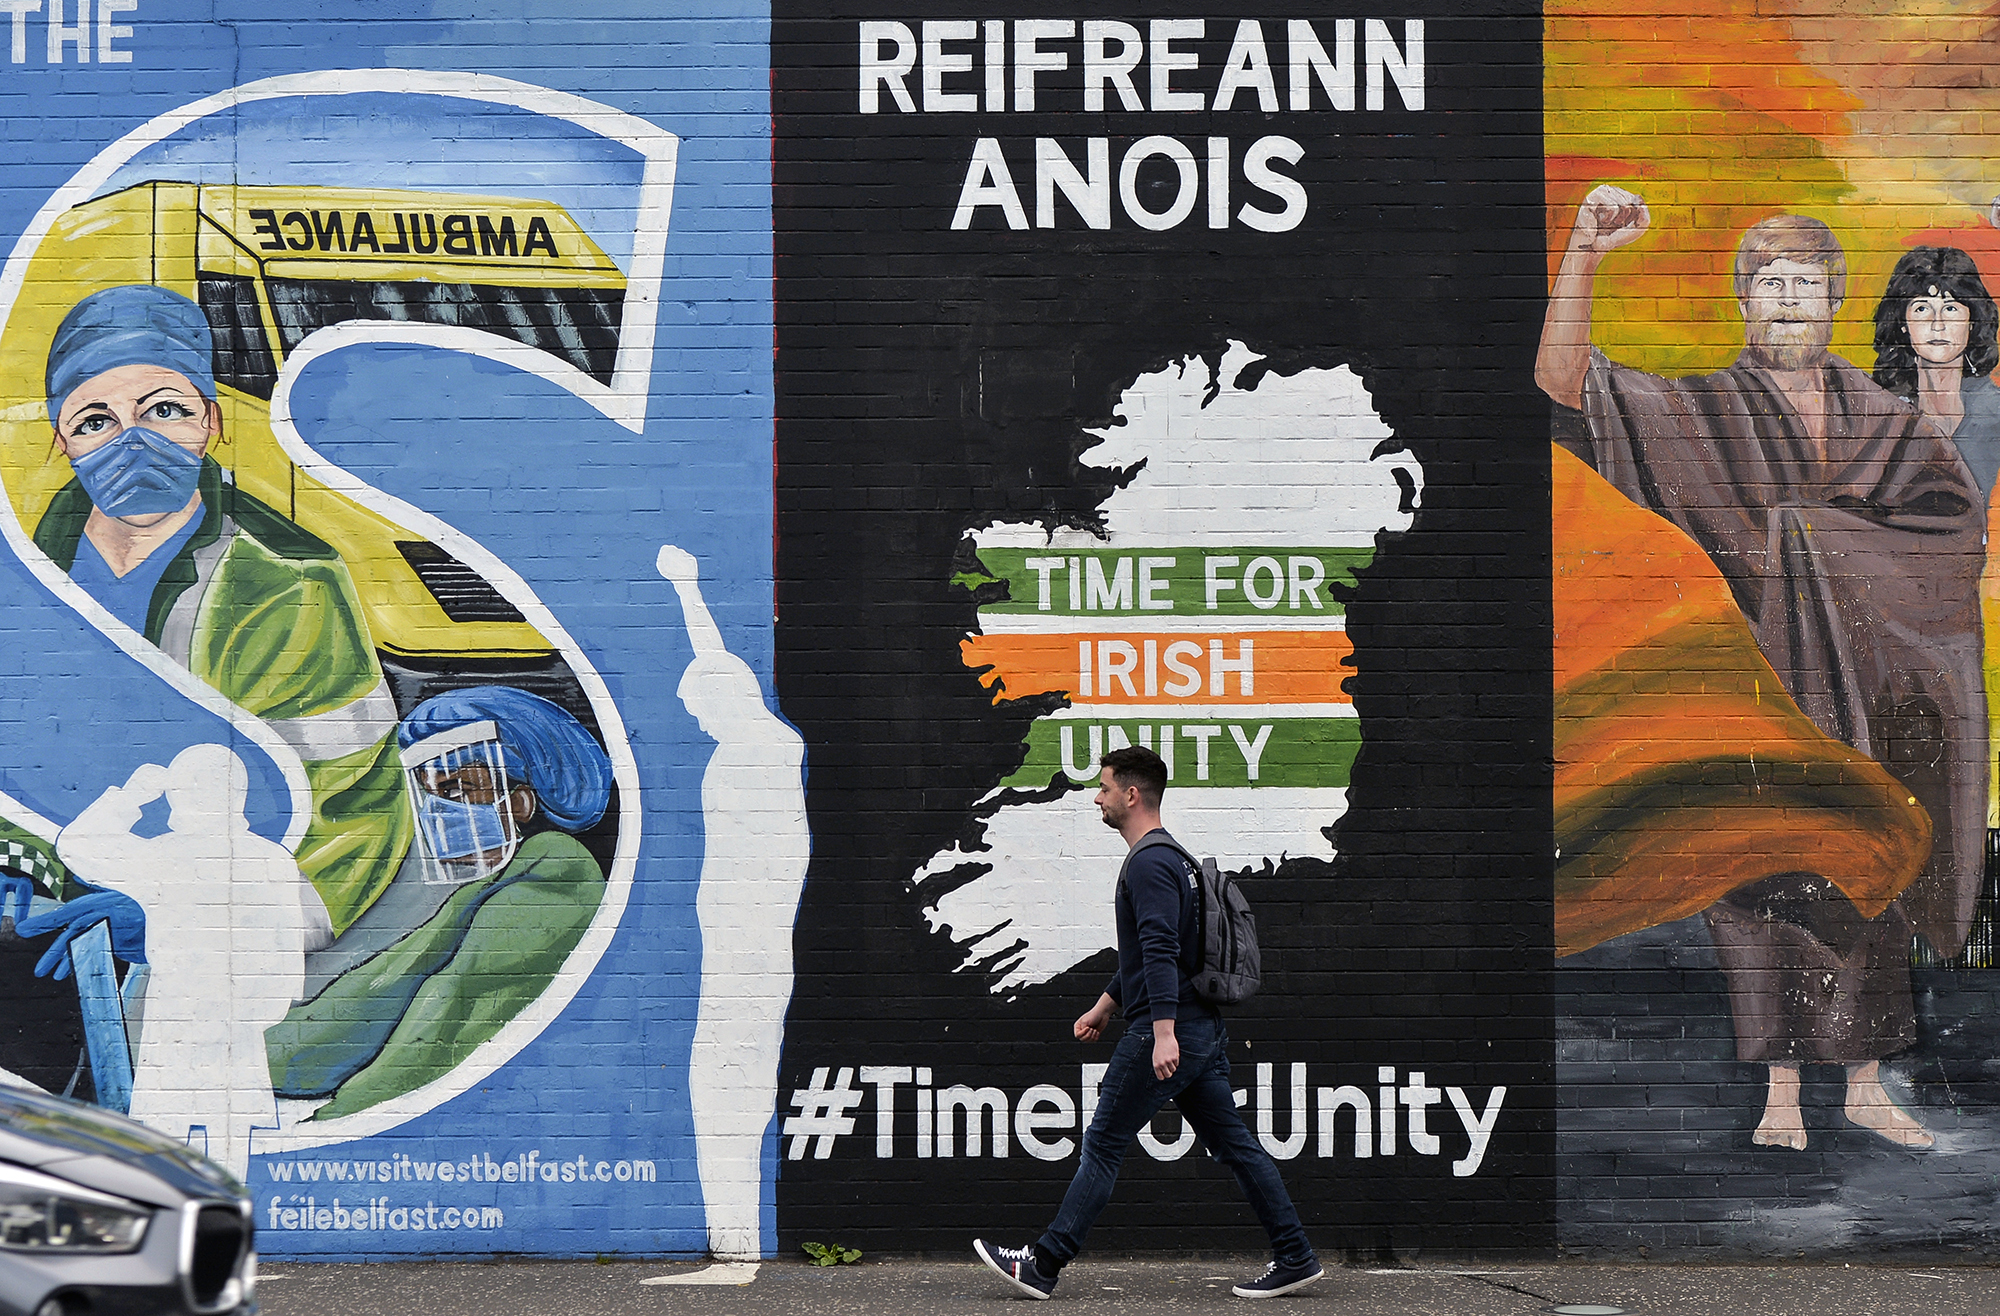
x: 1174, y: 1049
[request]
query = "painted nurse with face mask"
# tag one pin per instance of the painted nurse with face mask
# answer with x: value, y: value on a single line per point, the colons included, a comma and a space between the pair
x: 131, y: 397
x: 156, y: 530
x: 500, y: 781
x: 485, y: 765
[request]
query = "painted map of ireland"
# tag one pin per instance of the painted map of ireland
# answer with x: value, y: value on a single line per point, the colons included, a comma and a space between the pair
x: 1200, y: 624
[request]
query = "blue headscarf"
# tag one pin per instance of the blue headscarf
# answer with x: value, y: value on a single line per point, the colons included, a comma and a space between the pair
x: 137, y: 324
x: 539, y: 742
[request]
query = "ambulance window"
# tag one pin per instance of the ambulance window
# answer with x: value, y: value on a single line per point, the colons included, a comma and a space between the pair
x: 580, y: 325
x: 242, y: 351
x: 461, y: 593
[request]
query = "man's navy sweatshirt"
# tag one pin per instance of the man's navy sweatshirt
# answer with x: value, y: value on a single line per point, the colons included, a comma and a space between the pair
x: 1156, y: 911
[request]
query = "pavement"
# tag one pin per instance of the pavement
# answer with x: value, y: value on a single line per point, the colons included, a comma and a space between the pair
x: 952, y: 1286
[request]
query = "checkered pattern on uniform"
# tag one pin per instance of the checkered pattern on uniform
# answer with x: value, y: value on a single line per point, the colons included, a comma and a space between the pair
x: 30, y: 860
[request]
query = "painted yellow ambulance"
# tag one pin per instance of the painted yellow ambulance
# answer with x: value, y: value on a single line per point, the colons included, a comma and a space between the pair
x: 269, y: 266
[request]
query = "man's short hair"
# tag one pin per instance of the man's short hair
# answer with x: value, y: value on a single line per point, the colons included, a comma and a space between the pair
x: 1135, y: 765
x: 1794, y: 238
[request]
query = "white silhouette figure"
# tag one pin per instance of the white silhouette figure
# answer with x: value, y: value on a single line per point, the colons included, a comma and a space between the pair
x: 753, y: 870
x: 228, y: 920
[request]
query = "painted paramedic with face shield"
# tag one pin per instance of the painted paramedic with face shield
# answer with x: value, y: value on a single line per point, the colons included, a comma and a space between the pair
x: 154, y: 529
x: 499, y: 782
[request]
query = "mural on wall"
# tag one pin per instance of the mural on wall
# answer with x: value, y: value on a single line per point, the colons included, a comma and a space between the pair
x: 385, y: 791
x: 396, y: 803
x: 1136, y: 385
x: 1773, y: 680
x: 1214, y: 643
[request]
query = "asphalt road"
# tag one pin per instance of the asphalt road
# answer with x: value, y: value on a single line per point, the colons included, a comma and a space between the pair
x: 932, y: 1286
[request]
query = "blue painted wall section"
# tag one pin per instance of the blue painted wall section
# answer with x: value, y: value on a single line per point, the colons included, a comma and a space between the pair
x: 459, y: 631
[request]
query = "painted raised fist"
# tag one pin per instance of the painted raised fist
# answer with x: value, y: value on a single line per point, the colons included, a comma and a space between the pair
x: 1609, y: 218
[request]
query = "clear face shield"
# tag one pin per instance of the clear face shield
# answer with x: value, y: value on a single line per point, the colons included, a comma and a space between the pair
x: 462, y: 795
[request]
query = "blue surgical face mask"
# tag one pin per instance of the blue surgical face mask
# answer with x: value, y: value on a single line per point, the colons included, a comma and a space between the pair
x: 139, y: 473
x: 454, y: 829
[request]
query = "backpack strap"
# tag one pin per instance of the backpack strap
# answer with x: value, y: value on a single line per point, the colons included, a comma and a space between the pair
x: 1164, y: 838
x: 1154, y: 840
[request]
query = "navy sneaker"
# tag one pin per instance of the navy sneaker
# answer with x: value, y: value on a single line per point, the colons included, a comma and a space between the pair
x: 1278, y: 1279
x: 1017, y: 1266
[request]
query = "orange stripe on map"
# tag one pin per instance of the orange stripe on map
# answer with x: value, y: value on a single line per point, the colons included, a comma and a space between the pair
x: 1229, y: 667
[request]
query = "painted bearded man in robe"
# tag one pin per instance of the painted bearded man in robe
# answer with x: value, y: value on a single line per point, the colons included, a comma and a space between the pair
x: 1850, y: 534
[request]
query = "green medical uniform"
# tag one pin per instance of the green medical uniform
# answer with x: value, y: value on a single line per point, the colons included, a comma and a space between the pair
x: 415, y: 1011
x: 265, y: 612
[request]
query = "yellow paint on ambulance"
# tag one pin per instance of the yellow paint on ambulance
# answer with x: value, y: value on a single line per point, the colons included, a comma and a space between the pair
x: 334, y: 245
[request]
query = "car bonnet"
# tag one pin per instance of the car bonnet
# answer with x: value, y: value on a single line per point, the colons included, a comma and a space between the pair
x: 108, y: 1152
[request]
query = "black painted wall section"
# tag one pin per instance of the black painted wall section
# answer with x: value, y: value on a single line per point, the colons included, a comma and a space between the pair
x: 931, y: 381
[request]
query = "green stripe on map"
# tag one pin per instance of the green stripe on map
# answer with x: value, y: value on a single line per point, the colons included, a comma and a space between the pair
x: 1170, y: 582
x: 1299, y: 751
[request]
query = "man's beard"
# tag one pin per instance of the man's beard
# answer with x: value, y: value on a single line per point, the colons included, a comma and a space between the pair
x: 1787, y: 344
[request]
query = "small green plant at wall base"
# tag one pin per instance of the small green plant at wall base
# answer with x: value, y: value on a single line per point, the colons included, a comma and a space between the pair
x: 831, y: 1254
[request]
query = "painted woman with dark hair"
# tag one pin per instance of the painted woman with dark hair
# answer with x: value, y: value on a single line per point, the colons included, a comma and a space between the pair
x: 1934, y: 347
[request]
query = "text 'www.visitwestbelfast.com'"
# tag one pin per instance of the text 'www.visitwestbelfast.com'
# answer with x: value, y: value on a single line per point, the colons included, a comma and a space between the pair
x: 307, y: 1200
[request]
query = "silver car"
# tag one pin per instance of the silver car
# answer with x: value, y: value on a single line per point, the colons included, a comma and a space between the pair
x: 101, y: 1216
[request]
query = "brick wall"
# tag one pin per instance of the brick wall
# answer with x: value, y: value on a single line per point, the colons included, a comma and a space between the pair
x: 471, y: 337
x: 661, y: 517
x: 1678, y: 1132
x: 1315, y: 440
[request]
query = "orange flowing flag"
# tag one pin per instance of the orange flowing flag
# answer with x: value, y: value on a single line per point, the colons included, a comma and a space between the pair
x: 1682, y: 768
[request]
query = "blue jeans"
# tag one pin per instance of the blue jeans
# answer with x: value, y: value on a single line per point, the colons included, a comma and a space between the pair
x: 1128, y: 1099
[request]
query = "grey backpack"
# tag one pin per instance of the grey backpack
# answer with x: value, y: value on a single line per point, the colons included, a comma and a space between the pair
x: 1224, y: 966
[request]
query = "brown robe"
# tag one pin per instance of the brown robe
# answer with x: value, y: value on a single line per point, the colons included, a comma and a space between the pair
x: 1856, y: 563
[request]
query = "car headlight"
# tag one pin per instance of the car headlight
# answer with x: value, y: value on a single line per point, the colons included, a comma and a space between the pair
x: 39, y: 1213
